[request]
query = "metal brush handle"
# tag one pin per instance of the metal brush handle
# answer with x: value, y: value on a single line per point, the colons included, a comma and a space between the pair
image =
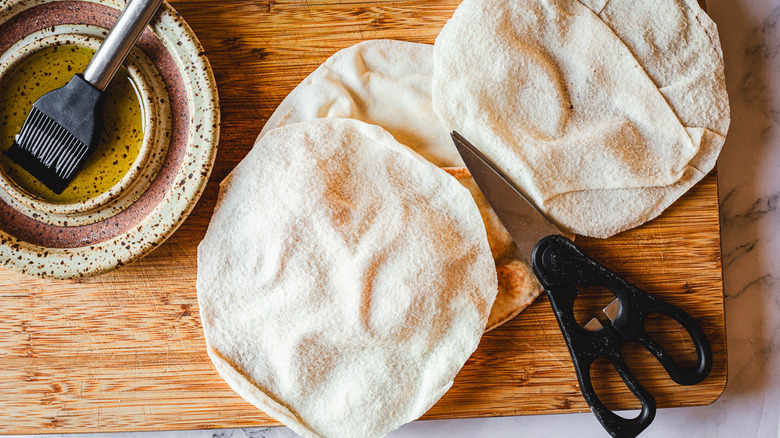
x: 120, y: 40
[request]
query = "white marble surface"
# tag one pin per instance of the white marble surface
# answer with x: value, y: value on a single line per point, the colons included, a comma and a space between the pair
x: 750, y: 194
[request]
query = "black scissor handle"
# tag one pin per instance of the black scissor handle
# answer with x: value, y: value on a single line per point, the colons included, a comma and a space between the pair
x: 645, y: 306
x: 616, y: 425
x: 585, y: 348
x: 561, y: 266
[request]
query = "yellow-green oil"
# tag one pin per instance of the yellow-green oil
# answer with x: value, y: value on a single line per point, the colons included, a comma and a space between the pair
x: 121, y: 115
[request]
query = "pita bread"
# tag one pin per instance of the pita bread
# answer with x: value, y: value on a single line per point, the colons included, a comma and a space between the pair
x: 343, y: 281
x: 382, y: 82
x: 517, y: 284
x: 599, y: 120
x: 388, y: 83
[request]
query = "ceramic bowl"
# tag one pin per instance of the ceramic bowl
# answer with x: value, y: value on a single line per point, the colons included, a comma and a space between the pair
x: 156, y: 121
x: 181, y: 130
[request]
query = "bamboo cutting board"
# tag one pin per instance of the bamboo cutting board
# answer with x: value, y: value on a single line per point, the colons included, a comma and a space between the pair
x: 125, y: 351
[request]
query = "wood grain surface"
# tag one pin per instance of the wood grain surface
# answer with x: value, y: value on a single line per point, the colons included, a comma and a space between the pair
x: 125, y: 351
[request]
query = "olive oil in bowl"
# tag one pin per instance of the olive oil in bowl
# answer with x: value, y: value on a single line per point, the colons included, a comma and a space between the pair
x: 122, y: 117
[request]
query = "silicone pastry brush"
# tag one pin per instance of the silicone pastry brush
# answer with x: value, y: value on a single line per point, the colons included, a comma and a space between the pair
x: 63, y: 127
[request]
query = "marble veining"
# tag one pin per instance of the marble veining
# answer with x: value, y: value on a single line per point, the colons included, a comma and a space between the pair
x: 749, y: 170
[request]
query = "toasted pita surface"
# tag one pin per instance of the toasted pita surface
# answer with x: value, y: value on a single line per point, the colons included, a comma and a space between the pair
x: 388, y: 83
x: 517, y: 284
x: 344, y: 280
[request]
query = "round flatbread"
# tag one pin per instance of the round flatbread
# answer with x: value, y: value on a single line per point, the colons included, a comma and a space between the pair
x: 343, y: 281
x: 388, y: 83
x: 517, y: 284
x: 382, y: 82
x: 602, y: 118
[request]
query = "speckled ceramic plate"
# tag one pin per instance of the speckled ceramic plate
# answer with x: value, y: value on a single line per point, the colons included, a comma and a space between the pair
x: 181, y: 124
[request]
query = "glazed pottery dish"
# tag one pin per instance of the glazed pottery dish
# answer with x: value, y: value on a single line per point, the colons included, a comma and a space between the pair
x: 161, y: 129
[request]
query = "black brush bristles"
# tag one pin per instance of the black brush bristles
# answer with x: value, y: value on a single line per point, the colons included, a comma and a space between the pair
x: 48, y: 151
x: 59, y: 134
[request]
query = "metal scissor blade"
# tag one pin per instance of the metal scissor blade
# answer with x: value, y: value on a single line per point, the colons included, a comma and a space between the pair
x: 525, y: 223
x: 611, y: 312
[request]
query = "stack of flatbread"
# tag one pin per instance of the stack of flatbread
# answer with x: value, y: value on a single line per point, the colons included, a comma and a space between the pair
x: 352, y: 264
x: 344, y: 280
x: 603, y: 112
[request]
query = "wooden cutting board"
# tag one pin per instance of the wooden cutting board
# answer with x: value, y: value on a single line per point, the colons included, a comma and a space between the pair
x: 125, y: 351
